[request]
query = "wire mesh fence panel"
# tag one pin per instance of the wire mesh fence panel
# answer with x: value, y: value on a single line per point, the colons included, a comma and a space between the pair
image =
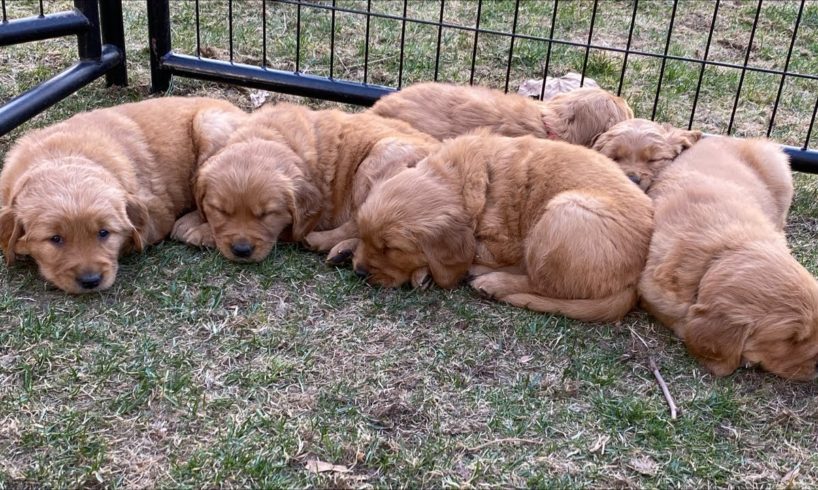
x: 746, y: 68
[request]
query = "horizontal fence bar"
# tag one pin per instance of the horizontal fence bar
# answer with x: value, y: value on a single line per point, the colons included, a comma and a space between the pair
x: 802, y: 160
x: 26, y: 105
x: 526, y: 37
x: 38, y: 28
x: 276, y: 80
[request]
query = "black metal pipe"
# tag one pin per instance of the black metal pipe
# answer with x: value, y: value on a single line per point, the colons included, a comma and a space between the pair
x: 802, y: 160
x: 37, y: 28
x: 113, y: 33
x: 276, y: 80
x: 89, y: 43
x: 159, y: 42
x: 26, y: 105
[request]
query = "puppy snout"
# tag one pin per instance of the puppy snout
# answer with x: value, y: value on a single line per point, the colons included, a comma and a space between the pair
x: 242, y: 249
x: 361, y: 272
x: 89, y: 280
x: 635, y: 179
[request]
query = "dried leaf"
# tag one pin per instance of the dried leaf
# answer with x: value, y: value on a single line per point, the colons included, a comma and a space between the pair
x: 644, y: 465
x: 318, y: 466
x: 258, y: 98
x: 525, y: 359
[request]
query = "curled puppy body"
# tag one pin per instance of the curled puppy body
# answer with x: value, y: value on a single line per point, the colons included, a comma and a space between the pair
x: 446, y: 111
x: 719, y: 272
x: 295, y: 174
x: 548, y: 226
x: 78, y: 194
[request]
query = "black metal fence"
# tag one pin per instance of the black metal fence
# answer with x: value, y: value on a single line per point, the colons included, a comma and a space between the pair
x: 100, y: 45
x: 619, y: 57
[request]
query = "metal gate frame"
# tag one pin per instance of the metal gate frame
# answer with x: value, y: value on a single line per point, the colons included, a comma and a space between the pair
x: 100, y: 45
x: 165, y: 63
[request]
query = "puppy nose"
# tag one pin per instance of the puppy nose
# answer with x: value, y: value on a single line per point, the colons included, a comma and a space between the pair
x: 361, y: 272
x: 635, y: 178
x: 89, y: 280
x: 242, y: 249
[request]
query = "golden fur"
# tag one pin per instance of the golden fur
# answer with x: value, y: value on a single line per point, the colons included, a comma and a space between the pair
x: 548, y: 226
x: 446, y: 111
x: 292, y: 173
x: 78, y: 194
x: 719, y: 272
x: 644, y: 148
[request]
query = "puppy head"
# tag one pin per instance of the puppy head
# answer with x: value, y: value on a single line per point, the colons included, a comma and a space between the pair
x: 252, y: 192
x: 411, y: 221
x: 581, y: 115
x: 74, y: 222
x: 644, y: 148
x: 756, y: 306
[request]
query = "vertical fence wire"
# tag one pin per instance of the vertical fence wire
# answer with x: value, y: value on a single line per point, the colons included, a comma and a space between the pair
x: 627, y: 49
x: 366, y: 40
x: 588, y: 46
x: 198, y: 34
x: 476, y: 33
x: 548, y: 51
x: 5, y: 17
x: 42, y: 12
x: 439, y: 38
x: 511, y: 48
x: 811, y: 123
x: 332, y: 42
x: 701, y: 69
x: 744, y: 69
x: 664, y: 61
x: 264, y: 33
x: 402, y: 42
x: 786, y: 68
x: 298, y: 38
x: 230, y: 26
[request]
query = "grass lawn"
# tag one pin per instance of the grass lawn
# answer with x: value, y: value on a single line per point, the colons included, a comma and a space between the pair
x: 193, y: 371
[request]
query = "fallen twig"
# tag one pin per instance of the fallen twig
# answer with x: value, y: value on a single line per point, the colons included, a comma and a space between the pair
x: 663, y: 385
x: 515, y: 440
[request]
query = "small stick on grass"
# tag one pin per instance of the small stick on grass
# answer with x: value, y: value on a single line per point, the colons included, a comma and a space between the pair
x: 663, y: 385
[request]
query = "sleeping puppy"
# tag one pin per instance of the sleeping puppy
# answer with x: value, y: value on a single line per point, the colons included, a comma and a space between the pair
x: 446, y: 111
x: 719, y: 272
x: 78, y: 194
x: 547, y: 226
x: 295, y: 174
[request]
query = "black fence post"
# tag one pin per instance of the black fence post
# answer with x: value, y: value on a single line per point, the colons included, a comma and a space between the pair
x: 113, y: 32
x: 159, y: 42
x: 88, y: 43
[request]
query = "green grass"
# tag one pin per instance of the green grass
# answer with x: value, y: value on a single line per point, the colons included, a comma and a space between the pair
x: 196, y: 372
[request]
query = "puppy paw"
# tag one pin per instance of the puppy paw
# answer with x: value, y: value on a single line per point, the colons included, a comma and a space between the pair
x: 192, y: 230
x: 488, y: 285
x: 317, y: 242
x: 422, y: 278
x: 342, y: 252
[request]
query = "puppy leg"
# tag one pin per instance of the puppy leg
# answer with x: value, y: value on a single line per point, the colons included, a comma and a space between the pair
x: 324, y: 241
x: 422, y: 278
x: 191, y: 229
x: 498, y: 285
x: 342, y: 252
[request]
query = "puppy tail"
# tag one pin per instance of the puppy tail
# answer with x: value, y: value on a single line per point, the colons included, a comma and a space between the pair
x: 607, y: 309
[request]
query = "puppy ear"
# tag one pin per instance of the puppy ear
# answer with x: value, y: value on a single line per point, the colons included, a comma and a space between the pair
x: 11, y: 230
x: 212, y: 129
x: 305, y: 207
x: 681, y: 138
x: 139, y: 218
x: 451, y: 256
x: 199, y: 193
x: 714, y: 339
x: 600, y: 141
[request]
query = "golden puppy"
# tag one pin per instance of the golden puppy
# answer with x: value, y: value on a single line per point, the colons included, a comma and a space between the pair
x: 78, y: 194
x: 719, y: 272
x: 288, y: 171
x: 446, y: 111
x: 549, y: 226
x: 644, y: 148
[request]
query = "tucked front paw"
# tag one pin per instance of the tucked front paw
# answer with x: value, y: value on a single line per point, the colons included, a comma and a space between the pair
x: 192, y: 230
x: 488, y: 285
x: 317, y: 242
x: 422, y: 278
x: 342, y: 252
